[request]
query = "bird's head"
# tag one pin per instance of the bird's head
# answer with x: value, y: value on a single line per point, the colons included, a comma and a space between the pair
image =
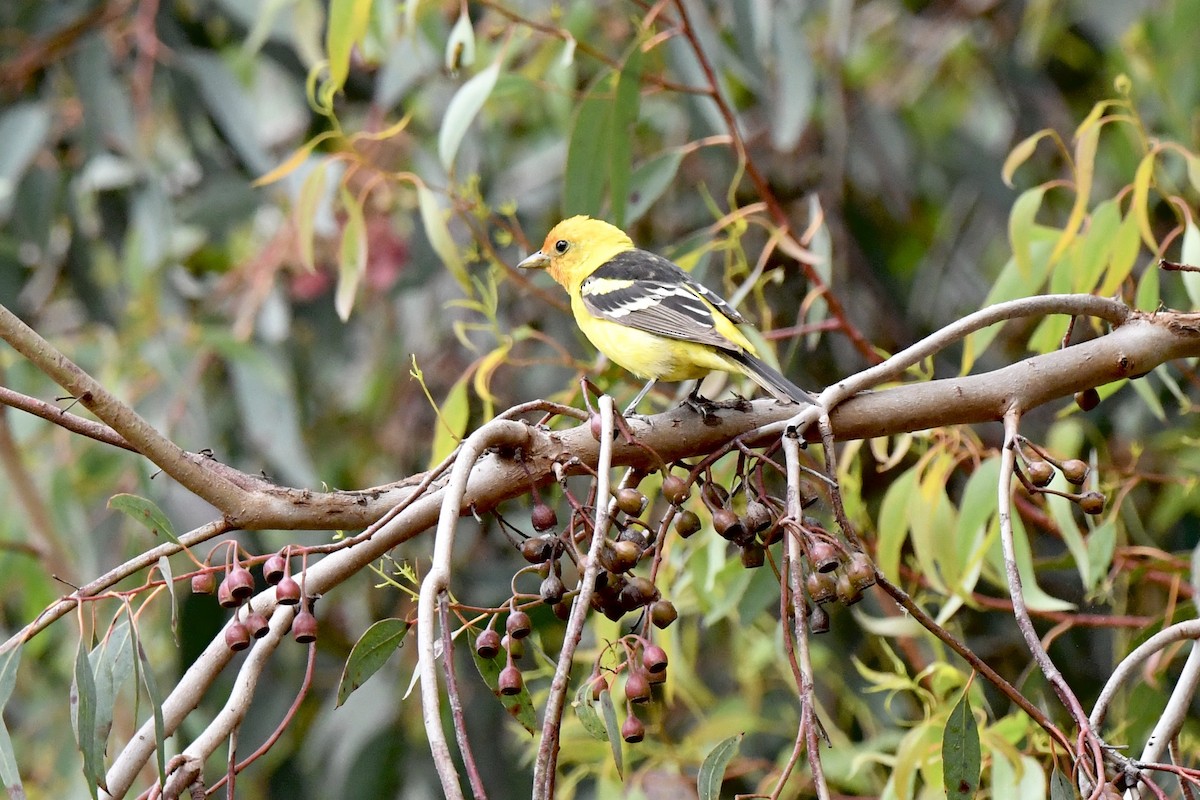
x: 575, y: 247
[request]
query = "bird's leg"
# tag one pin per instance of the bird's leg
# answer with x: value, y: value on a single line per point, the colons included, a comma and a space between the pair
x: 645, y: 390
x: 700, y: 404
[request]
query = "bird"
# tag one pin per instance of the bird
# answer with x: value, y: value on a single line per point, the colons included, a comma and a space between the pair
x: 648, y: 315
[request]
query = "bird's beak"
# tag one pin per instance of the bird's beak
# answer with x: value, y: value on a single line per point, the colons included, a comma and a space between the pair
x: 538, y: 260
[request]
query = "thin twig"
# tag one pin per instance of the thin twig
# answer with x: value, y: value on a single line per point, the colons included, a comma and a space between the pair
x: 455, y: 699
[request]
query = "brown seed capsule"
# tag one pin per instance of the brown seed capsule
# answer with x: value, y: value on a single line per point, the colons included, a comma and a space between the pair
x: 824, y: 556
x: 663, y: 613
x: 287, y: 592
x: 518, y: 625
x: 687, y: 523
x: 637, y: 687
x: 714, y: 495
x: 304, y: 627
x: 552, y: 589
x: 562, y: 610
x: 236, y: 636
x: 631, y: 501
x: 1074, y: 470
x: 753, y: 555
x: 637, y: 593
x: 543, y: 517
x: 847, y: 593
x: 654, y: 659
x: 537, y: 549
x: 274, y: 568
x: 632, y: 730
x: 860, y: 571
x: 258, y: 624
x: 818, y: 620
x: 510, y: 681
x: 1087, y: 399
x: 1040, y: 473
x: 487, y: 644
x: 1092, y: 503
x: 675, y: 490
x: 514, y: 647
x: 822, y: 587
x: 204, y: 583
x: 728, y: 525
x: 619, y: 557
x: 758, y: 516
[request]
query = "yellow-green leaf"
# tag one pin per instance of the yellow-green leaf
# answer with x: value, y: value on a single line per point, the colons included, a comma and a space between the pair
x: 311, y: 192
x: 452, y: 422
x: 1140, y: 202
x: 438, y: 233
x: 298, y: 157
x: 370, y: 652
x: 1085, y: 170
x: 961, y: 758
x: 347, y: 26
x: 352, y: 256
x: 1021, y: 227
x: 145, y: 512
x: 1020, y: 154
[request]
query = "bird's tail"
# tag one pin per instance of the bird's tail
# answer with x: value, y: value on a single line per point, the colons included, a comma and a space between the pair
x: 770, y: 379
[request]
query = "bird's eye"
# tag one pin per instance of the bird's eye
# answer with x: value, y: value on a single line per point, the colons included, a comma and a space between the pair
x: 562, y: 246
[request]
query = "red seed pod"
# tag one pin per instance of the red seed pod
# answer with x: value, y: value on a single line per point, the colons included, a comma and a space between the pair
x: 654, y: 658
x: 258, y: 624
x: 287, y: 591
x: 204, y: 583
x: 632, y: 729
x: 304, y: 627
x: 518, y: 625
x: 487, y: 644
x: 236, y: 636
x: 543, y: 517
x: 225, y: 595
x: 637, y: 687
x: 274, y: 568
x: 241, y: 583
x: 510, y: 682
x: 1087, y: 399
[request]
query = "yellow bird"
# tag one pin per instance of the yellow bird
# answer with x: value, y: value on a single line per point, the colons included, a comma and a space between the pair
x: 647, y: 314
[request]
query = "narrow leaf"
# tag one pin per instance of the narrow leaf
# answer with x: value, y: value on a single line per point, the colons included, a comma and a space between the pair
x: 1085, y: 169
x: 614, y: 730
x: 584, y: 181
x: 9, y: 661
x: 464, y: 107
x: 438, y: 234
x: 370, y: 652
x: 9, y: 773
x: 624, y: 119
x: 1139, y: 204
x: 164, y: 566
x: 145, y: 512
x: 1061, y: 787
x: 347, y: 25
x: 648, y: 182
x: 1021, y: 227
x: 453, y: 416
x: 1189, y: 253
x: 585, y: 710
x: 312, y: 192
x: 83, y: 703
x: 460, y: 46
x: 960, y: 752
x: 1020, y: 154
x: 292, y: 162
x: 712, y: 769
x: 352, y: 256
x: 160, y: 728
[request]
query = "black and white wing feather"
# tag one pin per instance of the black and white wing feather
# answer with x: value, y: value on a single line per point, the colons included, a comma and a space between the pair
x: 646, y: 291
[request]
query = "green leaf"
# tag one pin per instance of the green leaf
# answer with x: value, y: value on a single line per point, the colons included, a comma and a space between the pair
x: 624, y: 120
x: 83, y: 718
x: 1122, y: 255
x: 112, y: 661
x: 464, y: 107
x: 9, y: 773
x: 438, y: 234
x: 893, y: 523
x: 1189, y: 253
x: 794, y: 88
x: 648, y: 182
x: 145, y: 512
x: 712, y: 769
x: 23, y: 129
x: 453, y: 415
x: 614, y: 730
x: 583, y: 192
x: 311, y: 196
x: 347, y: 26
x: 370, y: 652
x: 352, y: 255
x: 152, y: 694
x: 1101, y: 544
x: 585, y: 710
x: 1061, y: 787
x: 164, y: 566
x: 520, y: 706
x: 10, y: 660
x: 960, y: 752
x: 1021, y: 225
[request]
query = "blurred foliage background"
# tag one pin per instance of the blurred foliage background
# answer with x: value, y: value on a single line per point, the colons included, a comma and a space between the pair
x: 133, y: 236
